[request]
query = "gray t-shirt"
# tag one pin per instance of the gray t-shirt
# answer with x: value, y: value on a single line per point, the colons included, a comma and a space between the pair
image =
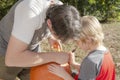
x: 6, y: 25
x: 90, y: 67
x: 25, y: 21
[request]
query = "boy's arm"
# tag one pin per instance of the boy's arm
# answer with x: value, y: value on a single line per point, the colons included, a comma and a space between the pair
x: 76, y: 66
x: 73, y: 62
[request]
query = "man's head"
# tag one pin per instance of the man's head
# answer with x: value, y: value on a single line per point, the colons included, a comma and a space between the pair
x: 63, y: 22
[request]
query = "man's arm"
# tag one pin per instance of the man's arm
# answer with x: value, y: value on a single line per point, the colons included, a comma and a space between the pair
x: 18, y: 55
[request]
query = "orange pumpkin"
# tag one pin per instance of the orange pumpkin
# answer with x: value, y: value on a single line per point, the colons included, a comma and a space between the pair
x: 41, y: 72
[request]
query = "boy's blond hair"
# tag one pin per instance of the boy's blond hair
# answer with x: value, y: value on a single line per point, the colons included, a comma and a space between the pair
x: 91, y: 28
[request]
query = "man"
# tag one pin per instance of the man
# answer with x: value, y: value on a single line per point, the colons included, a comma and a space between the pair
x: 21, y: 31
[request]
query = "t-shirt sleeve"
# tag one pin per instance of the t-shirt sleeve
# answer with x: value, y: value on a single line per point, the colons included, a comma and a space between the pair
x: 26, y: 21
x: 58, y: 2
x: 88, y: 70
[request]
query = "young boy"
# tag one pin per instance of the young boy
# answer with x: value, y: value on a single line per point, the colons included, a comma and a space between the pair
x: 98, y: 64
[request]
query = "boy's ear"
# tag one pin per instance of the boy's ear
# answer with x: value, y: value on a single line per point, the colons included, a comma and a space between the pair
x: 89, y: 39
x: 49, y: 23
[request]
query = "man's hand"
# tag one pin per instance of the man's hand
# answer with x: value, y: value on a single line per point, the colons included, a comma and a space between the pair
x: 62, y: 58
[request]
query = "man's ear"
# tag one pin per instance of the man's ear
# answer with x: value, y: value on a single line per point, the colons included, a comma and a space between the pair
x: 49, y: 24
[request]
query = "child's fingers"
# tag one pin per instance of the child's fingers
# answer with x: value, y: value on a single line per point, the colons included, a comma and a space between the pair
x: 73, y: 51
x: 53, y: 67
x: 51, y: 70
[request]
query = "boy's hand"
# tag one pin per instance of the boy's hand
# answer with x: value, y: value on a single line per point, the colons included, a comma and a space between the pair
x: 60, y: 71
x: 72, y: 61
x: 72, y: 58
x: 57, y: 70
